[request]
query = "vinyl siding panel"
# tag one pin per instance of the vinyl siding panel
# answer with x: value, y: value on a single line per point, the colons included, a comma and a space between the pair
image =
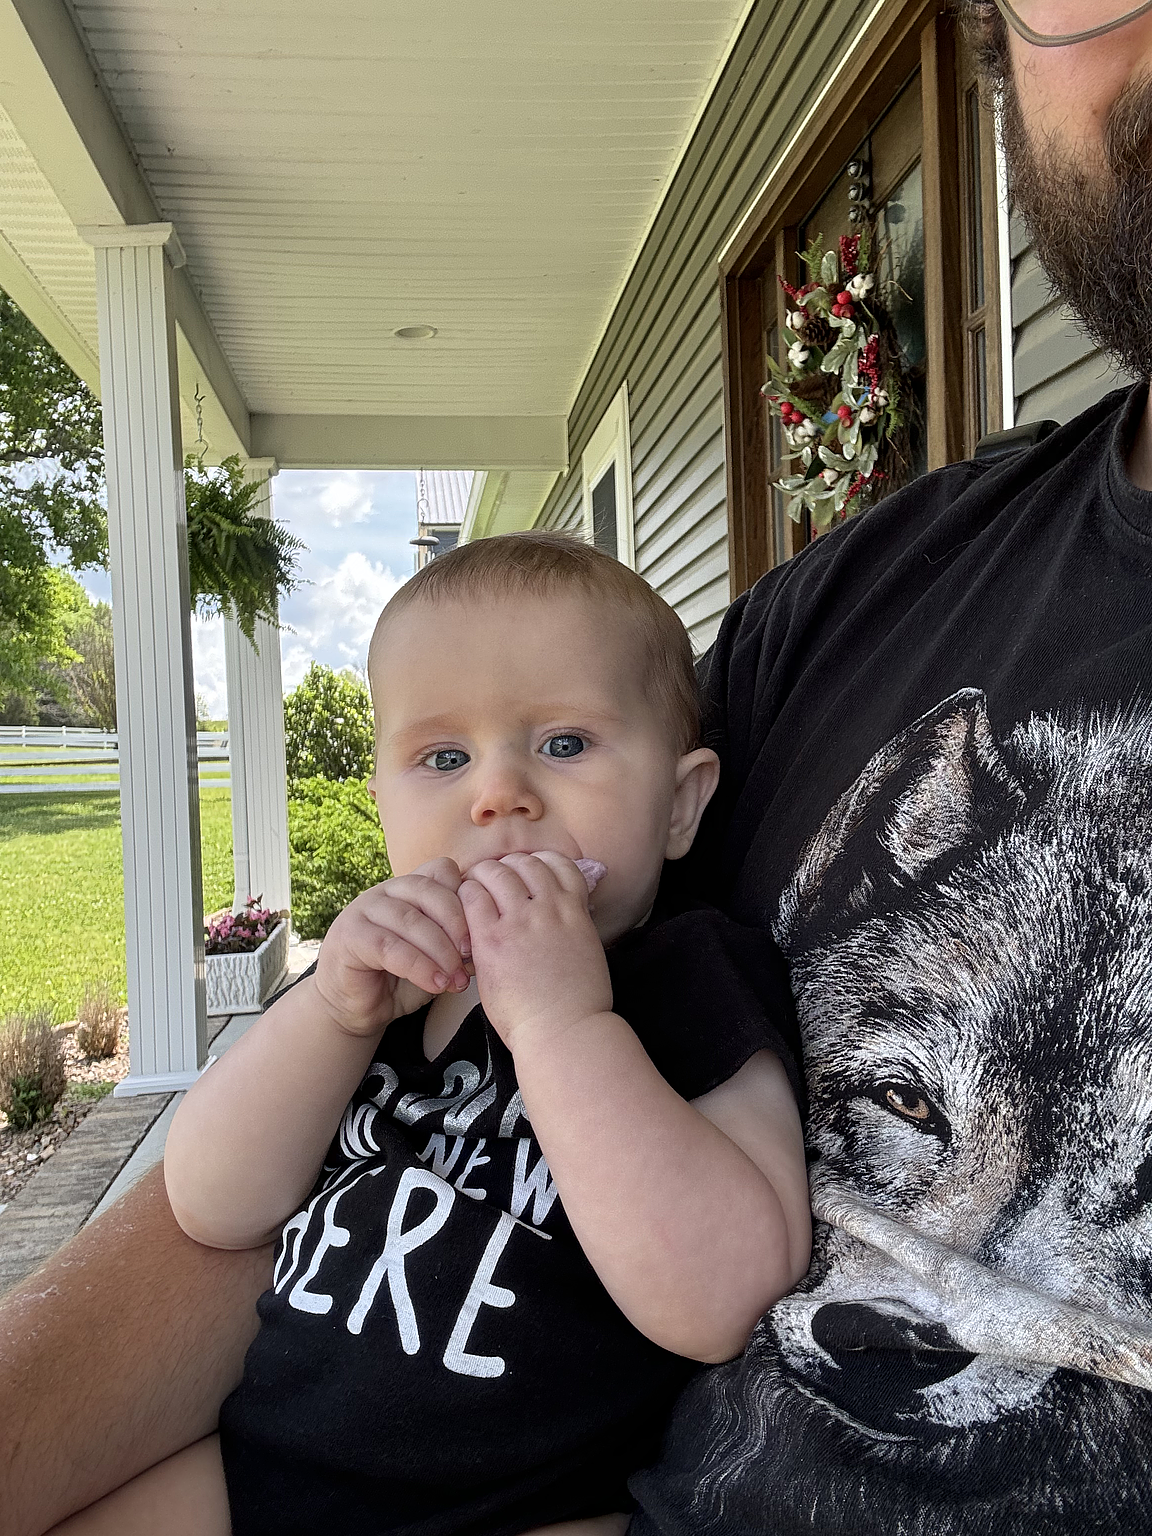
x: 663, y: 336
x: 1057, y: 372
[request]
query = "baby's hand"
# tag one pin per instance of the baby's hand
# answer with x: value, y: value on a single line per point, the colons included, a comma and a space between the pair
x: 539, y: 960
x: 394, y: 947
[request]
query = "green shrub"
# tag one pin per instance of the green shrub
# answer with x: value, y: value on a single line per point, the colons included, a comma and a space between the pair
x: 328, y: 727
x: 337, y: 850
x: 31, y: 1068
x: 86, y: 1091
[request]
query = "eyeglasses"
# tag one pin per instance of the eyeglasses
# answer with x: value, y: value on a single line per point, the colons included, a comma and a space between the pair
x: 1054, y: 23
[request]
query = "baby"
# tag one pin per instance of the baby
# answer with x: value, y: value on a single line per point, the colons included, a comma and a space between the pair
x: 530, y: 1155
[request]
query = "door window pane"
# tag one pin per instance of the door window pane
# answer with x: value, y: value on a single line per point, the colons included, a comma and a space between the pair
x: 980, y: 344
x: 900, y: 261
x: 975, y: 201
x: 891, y: 154
x: 604, y: 513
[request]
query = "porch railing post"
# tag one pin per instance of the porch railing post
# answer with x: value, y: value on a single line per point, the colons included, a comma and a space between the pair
x: 256, y: 748
x: 155, y: 711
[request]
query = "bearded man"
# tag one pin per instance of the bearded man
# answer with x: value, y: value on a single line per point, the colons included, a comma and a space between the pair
x: 936, y: 731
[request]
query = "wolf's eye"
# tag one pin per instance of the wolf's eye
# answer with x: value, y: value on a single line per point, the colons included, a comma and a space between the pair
x: 446, y: 759
x: 907, y: 1102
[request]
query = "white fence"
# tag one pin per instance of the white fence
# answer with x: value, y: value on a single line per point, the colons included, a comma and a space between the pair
x: 40, y: 760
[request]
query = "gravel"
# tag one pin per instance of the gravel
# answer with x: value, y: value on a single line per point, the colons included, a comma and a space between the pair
x: 23, y: 1152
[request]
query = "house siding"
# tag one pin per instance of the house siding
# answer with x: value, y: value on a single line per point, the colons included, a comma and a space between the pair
x: 664, y: 334
x: 1057, y: 372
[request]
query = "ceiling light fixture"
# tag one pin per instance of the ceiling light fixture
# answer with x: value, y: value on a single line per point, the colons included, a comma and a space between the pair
x: 415, y: 332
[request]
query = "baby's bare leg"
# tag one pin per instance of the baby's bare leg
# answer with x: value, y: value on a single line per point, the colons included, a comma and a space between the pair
x: 183, y: 1496
x: 186, y: 1496
x: 595, y: 1525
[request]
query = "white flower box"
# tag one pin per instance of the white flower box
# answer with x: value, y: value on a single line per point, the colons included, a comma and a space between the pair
x: 240, y: 983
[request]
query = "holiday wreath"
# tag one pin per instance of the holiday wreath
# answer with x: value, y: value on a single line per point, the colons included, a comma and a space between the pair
x: 839, y: 397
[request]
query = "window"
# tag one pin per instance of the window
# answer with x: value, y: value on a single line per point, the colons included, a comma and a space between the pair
x: 906, y: 133
x: 607, y: 476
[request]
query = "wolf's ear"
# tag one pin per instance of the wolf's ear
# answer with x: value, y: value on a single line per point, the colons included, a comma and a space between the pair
x: 933, y: 790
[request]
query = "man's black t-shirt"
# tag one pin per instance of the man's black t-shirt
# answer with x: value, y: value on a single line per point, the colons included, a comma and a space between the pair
x: 936, y: 731
x: 436, y: 1355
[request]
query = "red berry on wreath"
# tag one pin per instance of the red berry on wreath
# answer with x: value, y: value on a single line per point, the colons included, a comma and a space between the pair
x: 845, y: 413
x: 844, y: 298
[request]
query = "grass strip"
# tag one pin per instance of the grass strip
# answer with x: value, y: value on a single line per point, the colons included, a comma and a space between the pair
x: 62, y: 893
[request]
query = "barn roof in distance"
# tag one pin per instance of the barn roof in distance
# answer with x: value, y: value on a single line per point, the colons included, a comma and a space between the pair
x: 446, y: 492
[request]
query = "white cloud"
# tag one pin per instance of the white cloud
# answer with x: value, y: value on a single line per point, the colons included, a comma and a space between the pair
x: 333, y: 619
x: 330, y: 617
x: 347, y: 498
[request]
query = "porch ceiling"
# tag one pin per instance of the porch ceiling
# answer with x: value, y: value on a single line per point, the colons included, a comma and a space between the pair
x: 335, y: 172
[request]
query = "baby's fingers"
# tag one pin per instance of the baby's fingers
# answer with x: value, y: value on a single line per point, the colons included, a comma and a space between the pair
x: 557, y: 870
x: 479, y: 905
x: 429, y: 891
x: 402, y: 960
x: 401, y: 939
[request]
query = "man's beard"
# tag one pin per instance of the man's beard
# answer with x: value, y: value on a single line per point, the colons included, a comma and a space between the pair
x: 1093, y: 226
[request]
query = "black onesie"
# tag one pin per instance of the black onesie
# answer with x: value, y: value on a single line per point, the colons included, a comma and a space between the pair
x: 436, y: 1354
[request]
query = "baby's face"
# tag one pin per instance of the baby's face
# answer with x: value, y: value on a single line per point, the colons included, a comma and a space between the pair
x: 522, y: 724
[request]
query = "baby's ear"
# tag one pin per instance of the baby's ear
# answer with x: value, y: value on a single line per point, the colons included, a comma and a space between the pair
x: 697, y: 775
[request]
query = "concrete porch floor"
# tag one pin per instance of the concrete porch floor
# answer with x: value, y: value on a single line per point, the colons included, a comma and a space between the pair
x: 113, y: 1146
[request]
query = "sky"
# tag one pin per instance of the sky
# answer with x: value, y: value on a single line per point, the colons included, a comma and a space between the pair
x: 356, y: 525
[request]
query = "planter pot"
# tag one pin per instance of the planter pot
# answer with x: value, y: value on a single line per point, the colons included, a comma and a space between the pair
x: 240, y: 983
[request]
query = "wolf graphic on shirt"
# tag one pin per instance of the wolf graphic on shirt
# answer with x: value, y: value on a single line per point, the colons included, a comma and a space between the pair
x: 970, y: 943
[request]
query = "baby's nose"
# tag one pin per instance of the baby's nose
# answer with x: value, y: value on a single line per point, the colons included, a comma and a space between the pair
x: 506, y: 793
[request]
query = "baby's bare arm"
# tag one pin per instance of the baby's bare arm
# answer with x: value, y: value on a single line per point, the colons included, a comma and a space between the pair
x: 695, y: 1216
x: 247, y: 1143
x: 249, y: 1139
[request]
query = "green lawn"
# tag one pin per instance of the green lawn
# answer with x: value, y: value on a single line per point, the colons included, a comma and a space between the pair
x: 62, y: 893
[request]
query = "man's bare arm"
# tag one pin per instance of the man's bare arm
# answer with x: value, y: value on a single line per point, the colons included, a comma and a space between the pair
x: 115, y: 1354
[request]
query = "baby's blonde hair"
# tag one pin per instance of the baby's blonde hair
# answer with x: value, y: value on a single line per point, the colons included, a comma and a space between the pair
x: 536, y: 564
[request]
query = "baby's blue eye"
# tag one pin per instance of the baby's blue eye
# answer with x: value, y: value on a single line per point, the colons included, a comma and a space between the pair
x: 563, y: 746
x: 447, y: 759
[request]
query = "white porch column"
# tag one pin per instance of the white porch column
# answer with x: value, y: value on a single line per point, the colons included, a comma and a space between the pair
x: 147, y: 534
x: 256, y: 748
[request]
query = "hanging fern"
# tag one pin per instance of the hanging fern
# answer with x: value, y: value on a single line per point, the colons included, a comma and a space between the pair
x: 238, y: 562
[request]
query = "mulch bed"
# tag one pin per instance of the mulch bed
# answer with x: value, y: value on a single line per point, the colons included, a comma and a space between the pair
x: 23, y: 1152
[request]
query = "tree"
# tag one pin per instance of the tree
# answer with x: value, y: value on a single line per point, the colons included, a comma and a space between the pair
x: 52, y: 503
x: 328, y: 727
x: 39, y: 682
x: 91, y: 678
x: 51, y: 494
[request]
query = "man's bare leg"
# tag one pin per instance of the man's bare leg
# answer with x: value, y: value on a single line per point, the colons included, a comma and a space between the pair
x: 183, y: 1496
x: 115, y: 1355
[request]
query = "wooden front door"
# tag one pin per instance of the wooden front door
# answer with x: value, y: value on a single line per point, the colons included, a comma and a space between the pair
x: 907, y: 145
